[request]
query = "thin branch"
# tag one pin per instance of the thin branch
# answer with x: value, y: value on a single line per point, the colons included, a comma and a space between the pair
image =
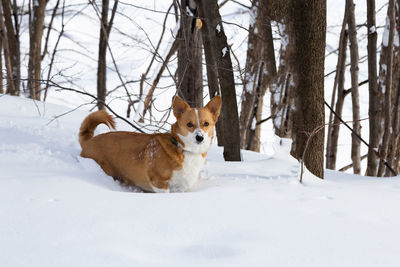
x: 361, y: 139
x: 345, y: 168
x: 95, y: 98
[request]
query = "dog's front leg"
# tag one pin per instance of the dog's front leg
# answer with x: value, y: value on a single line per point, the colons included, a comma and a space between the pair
x: 160, y: 185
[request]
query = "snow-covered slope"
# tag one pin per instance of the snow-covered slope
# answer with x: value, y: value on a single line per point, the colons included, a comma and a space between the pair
x: 57, y: 209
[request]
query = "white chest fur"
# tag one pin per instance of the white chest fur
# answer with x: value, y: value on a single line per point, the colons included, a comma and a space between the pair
x: 185, y: 178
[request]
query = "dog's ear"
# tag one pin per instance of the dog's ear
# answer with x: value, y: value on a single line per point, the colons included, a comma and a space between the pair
x: 179, y: 106
x: 214, y: 106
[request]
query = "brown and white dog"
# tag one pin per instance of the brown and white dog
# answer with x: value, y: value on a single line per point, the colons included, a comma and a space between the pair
x: 168, y: 162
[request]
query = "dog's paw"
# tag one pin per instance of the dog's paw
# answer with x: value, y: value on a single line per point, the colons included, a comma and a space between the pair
x: 160, y: 190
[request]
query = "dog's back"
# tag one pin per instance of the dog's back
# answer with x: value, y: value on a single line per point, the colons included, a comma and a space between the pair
x: 132, y: 158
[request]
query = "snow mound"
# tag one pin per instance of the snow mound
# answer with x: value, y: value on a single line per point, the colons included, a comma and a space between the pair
x: 58, y: 209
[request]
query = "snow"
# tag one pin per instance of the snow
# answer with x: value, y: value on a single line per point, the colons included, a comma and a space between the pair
x: 224, y: 50
x: 218, y: 28
x: 372, y: 29
x: 59, y: 209
x: 385, y: 37
x: 253, y: 15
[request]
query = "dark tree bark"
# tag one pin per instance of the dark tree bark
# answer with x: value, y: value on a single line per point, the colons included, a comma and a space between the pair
x: 282, y: 92
x: 387, y: 43
x: 355, y: 141
x: 373, y: 110
x: 208, y: 10
x: 260, y: 70
x: 334, y: 122
x: 395, y: 94
x: 105, y: 29
x: 1, y: 63
x: 36, y: 26
x: 309, y: 40
x: 13, y: 45
x: 212, y: 79
x: 190, y: 67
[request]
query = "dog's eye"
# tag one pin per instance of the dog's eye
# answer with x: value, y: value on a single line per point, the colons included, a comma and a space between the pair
x: 190, y: 125
x: 206, y: 124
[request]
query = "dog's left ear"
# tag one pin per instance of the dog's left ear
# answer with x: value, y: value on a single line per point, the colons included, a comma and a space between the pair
x: 214, y: 106
x: 179, y: 106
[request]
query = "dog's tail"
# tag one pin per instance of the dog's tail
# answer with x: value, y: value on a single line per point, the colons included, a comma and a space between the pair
x: 90, y: 123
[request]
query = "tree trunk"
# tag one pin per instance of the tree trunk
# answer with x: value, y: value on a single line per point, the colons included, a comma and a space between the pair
x: 208, y: 10
x: 102, y: 64
x: 105, y: 29
x: 396, y: 84
x: 190, y: 67
x: 12, y: 30
x: 282, y: 96
x: 260, y: 71
x: 212, y: 80
x: 35, y: 46
x: 394, y: 133
x: 373, y: 111
x: 309, y: 40
x: 4, y: 38
x: 1, y: 62
x: 387, y: 42
x: 355, y: 142
x: 334, y: 122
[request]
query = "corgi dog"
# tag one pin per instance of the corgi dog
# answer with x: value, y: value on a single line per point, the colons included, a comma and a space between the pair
x: 160, y: 162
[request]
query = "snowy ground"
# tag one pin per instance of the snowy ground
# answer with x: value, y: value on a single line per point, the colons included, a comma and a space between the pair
x: 58, y: 209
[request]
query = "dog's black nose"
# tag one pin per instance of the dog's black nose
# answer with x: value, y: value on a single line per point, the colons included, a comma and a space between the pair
x: 199, y: 138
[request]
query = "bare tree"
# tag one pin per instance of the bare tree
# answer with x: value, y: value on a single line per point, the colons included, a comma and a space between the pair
x: 1, y: 62
x: 208, y: 11
x: 4, y: 38
x: 105, y: 29
x: 373, y: 111
x: 190, y: 67
x: 260, y: 70
x: 355, y: 141
x: 212, y: 80
x: 36, y: 25
x: 387, y: 43
x: 309, y: 20
x: 11, y: 30
x: 338, y: 87
x: 282, y: 92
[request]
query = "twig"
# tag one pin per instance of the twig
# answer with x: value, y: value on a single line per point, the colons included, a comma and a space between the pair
x: 49, y: 28
x: 94, y: 97
x: 69, y: 111
x: 316, y: 130
x: 96, y: 9
x: 345, y: 168
x: 361, y: 139
x: 55, y: 48
x: 263, y: 120
x: 155, y: 53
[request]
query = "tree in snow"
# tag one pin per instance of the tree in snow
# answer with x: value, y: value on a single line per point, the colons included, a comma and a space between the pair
x: 11, y: 45
x: 219, y: 56
x: 105, y: 29
x: 190, y: 67
x: 259, y: 74
x: 309, y: 30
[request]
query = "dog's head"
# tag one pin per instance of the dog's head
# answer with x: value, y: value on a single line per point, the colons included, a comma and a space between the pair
x: 195, y: 126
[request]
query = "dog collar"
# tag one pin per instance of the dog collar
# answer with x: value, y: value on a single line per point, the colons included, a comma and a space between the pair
x: 174, y: 141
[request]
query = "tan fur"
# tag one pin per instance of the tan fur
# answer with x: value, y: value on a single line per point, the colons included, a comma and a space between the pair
x: 144, y: 160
